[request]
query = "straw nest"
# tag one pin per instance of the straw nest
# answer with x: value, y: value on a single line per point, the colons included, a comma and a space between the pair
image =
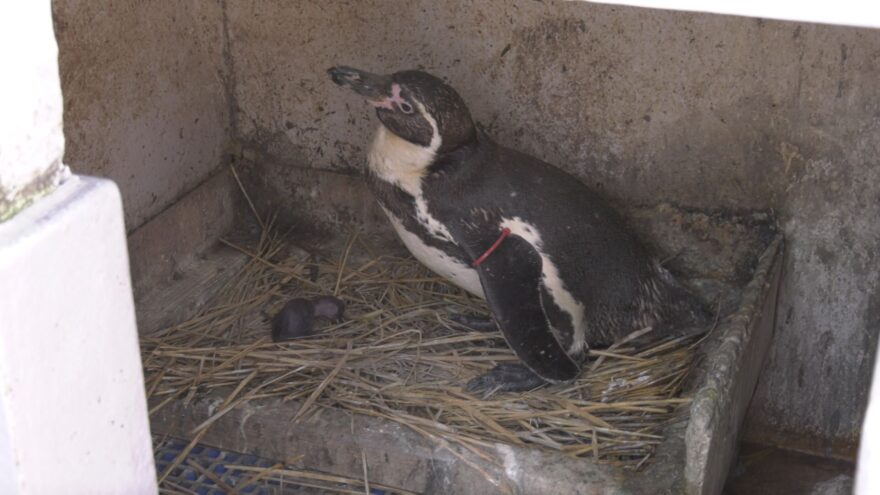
x: 399, y: 357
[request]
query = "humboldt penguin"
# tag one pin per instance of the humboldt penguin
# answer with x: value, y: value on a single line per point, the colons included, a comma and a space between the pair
x: 558, y: 267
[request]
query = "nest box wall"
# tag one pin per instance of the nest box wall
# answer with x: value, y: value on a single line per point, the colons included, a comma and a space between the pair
x: 145, y: 100
x: 647, y: 106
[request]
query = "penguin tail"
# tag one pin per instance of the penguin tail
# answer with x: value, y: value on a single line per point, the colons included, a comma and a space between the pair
x: 684, y: 312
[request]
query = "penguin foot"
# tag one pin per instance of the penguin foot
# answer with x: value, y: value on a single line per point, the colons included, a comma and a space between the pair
x: 505, y: 378
x: 475, y: 322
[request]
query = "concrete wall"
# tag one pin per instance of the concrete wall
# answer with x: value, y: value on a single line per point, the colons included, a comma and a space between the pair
x: 647, y: 106
x: 145, y: 100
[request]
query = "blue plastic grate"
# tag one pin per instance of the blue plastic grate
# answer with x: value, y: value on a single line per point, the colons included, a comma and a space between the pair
x: 186, y: 479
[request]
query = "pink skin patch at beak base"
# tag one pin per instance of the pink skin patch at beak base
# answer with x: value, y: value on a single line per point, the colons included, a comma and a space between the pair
x: 388, y: 102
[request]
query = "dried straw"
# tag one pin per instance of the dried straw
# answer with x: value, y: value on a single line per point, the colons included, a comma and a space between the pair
x: 399, y: 357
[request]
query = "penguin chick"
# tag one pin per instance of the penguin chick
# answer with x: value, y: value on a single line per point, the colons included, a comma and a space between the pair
x: 297, y: 317
x: 329, y: 307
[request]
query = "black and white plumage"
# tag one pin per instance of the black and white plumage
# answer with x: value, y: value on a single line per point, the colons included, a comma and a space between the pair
x: 570, y: 275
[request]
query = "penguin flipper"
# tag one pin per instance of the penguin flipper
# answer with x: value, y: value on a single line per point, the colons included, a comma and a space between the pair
x: 511, y: 278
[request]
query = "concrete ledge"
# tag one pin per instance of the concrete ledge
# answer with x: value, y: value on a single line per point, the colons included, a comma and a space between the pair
x: 334, y: 441
x: 184, y: 230
x: 731, y: 374
x: 71, y: 383
x: 176, y: 264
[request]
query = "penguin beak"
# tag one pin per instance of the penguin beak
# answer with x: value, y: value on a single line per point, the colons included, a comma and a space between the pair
x: 373, y: 87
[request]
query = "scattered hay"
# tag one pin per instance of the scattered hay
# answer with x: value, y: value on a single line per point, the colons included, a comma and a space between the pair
x: 399, y: 357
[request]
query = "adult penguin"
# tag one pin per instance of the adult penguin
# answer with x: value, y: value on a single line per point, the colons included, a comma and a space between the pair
x: 558, y: 267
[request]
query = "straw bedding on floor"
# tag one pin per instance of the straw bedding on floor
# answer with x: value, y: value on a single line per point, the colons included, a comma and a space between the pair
x: 398, y: 356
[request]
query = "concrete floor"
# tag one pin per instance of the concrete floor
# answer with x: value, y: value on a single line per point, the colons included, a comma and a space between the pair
x: 762, y: 470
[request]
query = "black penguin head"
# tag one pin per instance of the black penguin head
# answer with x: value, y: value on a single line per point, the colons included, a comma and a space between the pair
x: 414, y: 105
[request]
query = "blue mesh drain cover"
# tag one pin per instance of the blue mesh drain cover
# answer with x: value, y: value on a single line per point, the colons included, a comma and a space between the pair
x: 186, y: 478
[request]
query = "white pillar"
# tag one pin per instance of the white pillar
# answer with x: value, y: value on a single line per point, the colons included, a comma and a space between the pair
x: 868, y: 468
x: 31, y: 138
x: 72, y: 396
x: 73, y: 414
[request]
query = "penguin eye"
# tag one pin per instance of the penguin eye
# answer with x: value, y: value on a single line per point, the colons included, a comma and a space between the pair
x: 405, y: 107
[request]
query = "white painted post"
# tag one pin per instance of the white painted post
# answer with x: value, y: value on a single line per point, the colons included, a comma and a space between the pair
x: 73, y: 413
x: 868, y: 468
x: 31, y: 138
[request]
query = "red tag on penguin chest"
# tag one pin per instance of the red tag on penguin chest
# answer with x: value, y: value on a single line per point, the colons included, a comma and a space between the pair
x: 492, y: 248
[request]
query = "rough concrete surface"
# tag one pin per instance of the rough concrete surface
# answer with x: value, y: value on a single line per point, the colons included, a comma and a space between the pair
x: 731, y: 373
x: 145, y: 101
x: 161, y: 248
x: 644, y: 105
x: 762, y: 470
x: 335, y: 442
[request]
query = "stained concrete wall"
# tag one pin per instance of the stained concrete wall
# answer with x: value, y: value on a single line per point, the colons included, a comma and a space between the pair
x: 647, y: 106
x: 145, y: 96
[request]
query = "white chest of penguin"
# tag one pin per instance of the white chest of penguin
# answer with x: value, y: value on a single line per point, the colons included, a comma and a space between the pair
x: 403, y: 164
